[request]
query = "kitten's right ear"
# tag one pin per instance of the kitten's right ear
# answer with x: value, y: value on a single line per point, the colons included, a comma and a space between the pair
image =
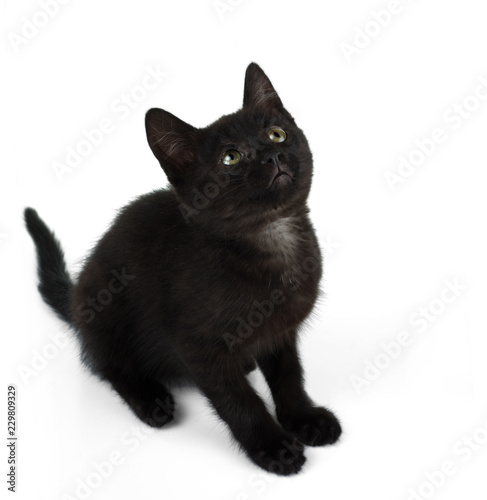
x: 258, y: 90
x: 171, y: 141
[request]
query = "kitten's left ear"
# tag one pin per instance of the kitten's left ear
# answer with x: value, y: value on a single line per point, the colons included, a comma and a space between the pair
x: 258, y: 90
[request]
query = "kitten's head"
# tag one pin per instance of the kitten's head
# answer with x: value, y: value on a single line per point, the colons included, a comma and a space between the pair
x: 251, y: 166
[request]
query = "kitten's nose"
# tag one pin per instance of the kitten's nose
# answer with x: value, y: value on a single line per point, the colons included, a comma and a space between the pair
x: 274, y: 159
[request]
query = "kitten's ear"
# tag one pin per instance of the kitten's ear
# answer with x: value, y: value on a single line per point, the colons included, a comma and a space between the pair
x: 171, y: 141
x: 258, y: 90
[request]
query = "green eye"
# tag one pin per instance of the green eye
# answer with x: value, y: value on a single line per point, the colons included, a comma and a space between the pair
x: 276, y: 134
x: 231, y: 157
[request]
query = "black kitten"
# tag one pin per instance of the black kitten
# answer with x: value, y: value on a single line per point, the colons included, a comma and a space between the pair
x: 201, y: 281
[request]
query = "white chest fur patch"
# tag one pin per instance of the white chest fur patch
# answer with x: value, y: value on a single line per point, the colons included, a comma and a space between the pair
x: 280, y: 238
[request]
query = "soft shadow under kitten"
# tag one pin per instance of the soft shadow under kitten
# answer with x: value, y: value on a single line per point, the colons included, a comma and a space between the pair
x: 206, y: 279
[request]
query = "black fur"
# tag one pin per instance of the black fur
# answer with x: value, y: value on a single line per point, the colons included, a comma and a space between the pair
x: 202, y: 281
x: 54, y: 281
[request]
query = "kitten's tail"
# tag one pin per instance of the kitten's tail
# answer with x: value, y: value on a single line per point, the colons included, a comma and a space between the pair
x: 54, y: 281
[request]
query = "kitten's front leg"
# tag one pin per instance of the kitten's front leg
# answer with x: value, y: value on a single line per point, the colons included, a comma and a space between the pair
x: 221, y: 378
x: 312, y: 425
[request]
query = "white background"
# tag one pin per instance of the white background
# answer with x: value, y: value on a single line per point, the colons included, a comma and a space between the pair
x: 388, y: 254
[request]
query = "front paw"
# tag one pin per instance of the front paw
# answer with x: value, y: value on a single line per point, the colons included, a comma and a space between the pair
x: 280, y: 456
x: 313, y: 426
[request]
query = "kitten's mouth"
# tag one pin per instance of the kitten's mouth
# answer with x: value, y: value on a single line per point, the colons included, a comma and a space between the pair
x: 281, y: 178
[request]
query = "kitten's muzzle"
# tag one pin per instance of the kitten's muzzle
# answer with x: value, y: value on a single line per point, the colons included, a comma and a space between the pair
x: 281, y: 178
x: 280, y: 174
